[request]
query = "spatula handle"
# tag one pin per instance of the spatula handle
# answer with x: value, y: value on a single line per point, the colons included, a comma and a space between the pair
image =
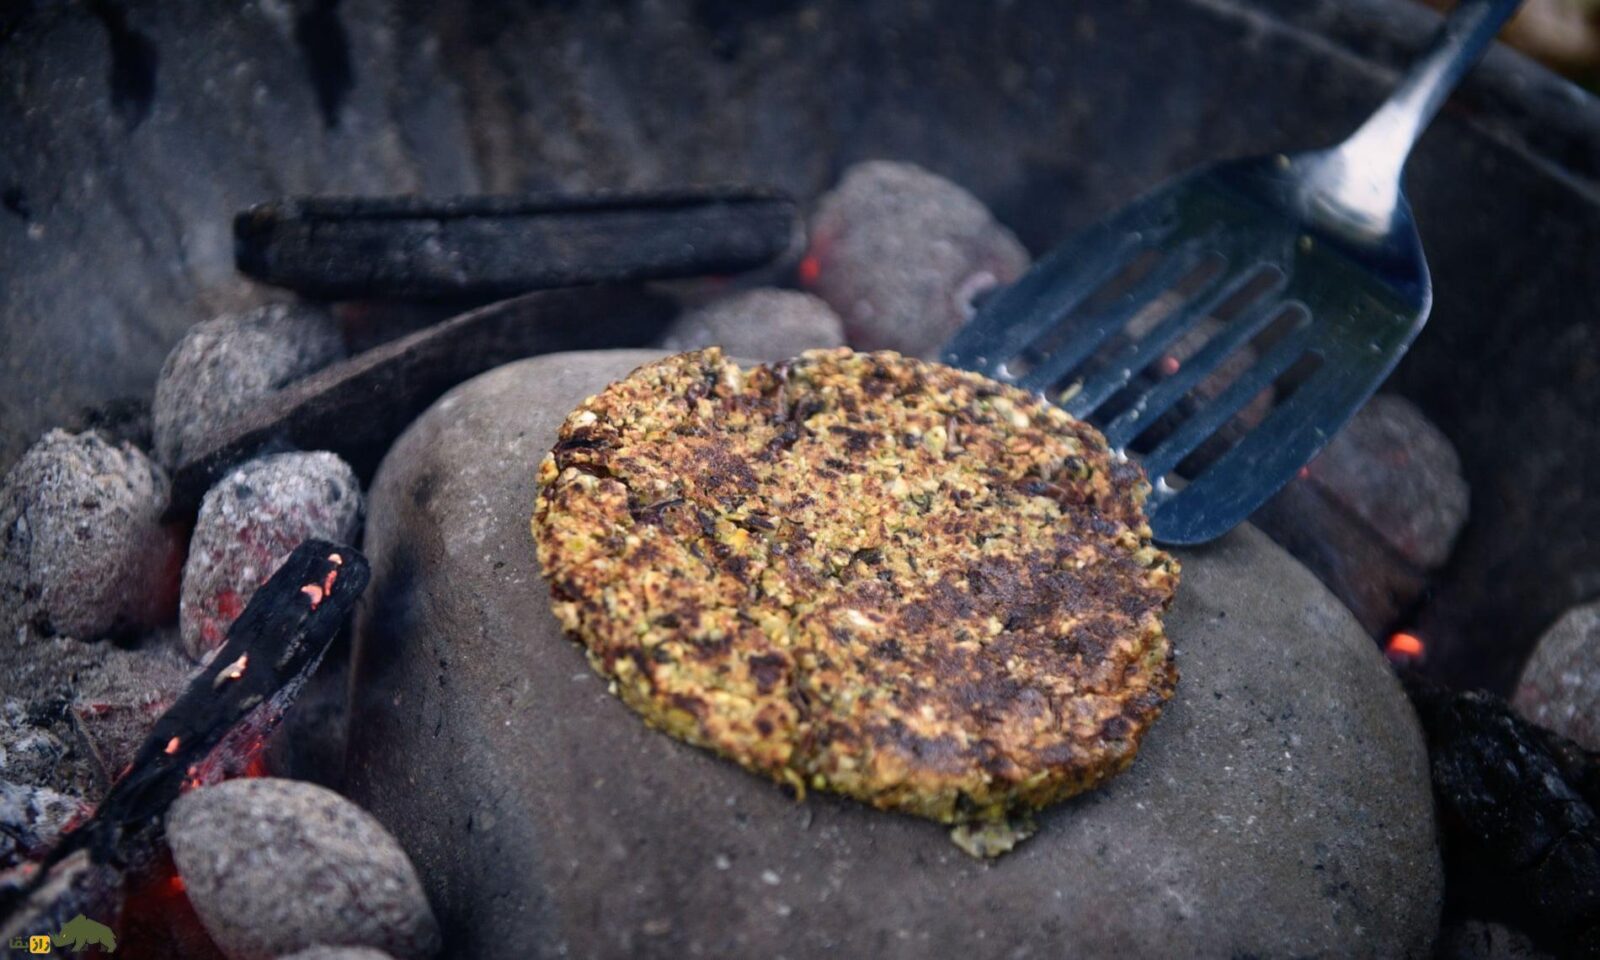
x: 1456, y: 48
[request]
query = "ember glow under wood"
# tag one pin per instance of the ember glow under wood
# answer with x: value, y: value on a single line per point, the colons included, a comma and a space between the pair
x: 356, y: 408
x: 374, y: 247
x: 221, y: 721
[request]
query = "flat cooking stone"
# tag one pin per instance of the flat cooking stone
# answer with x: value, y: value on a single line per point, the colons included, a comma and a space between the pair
x: 1280, y: 807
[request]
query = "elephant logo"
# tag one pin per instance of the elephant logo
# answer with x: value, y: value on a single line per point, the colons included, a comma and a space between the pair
x: 81, y: 932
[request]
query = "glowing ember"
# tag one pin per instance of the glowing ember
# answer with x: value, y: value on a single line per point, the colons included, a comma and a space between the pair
x: 335, y: 559
x: 314, y: 592
x: 232, y: 671
x: 810, y: 269
x: 327, y: 583
x: 1169, y: 365
x: 172, y: 746
x: 1404, y: 647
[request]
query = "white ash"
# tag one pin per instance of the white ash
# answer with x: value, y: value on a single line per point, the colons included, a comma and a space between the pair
x: 321, y: 952
x: 79, y: 711
x: 224, y: 365
x: 900, y: 254
x: 248, y: 524
x: 274, y: 866
x: 1560, y: 685
x: 32, y: 819
x: 85, y: 552
x: 762, y: 324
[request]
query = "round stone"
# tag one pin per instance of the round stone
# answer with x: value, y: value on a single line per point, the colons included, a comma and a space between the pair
x: 274, y: 866
x: 1281, y: 807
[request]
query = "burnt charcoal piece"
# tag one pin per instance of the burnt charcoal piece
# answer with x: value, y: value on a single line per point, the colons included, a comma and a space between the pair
x: 1517, y: 812
x: 32, y: 819
x: 901, y: 254
x: 222, y: 719
x: 248, y: 523
x: 224, y: 365
x: 356, y: 408
x: 82, y: 548
x: 410, y: 247
x: 43, y: 900
x: 274, y: 866
x: 1376, y: 512
x: 1560, y: 685
x: 760, y: 324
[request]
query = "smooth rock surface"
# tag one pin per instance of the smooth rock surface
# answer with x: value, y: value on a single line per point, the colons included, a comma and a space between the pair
x: 274, y: 866
x: 1280, y: 807
x: 1560, y: 685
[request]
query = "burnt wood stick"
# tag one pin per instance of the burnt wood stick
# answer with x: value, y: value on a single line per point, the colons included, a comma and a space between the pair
x: 271, y: 650
x: 407, y: 247
x: 356, y: 408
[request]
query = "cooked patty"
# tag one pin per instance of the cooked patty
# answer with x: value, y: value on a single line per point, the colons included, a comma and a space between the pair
x: 862, y: 573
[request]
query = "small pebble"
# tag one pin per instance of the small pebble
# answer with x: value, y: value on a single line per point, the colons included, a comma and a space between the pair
x: 901, y: 253
x: 85, y: 552
x: 275, y: 866
x: 1560, y: 685
x: 764, y: 324
x: 248, y: 523
x: 224, y: 365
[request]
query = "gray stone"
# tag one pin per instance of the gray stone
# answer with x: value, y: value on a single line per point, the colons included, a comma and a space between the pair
x: 85, y: 552
x: 274, y: 866
x: 337, y: 953
x: 1560, y: 685
x: 1479, y: 940
x: 224, y: 365
x: 248, y: 523
x: 763, y: 324
x: 900, y: 253
x: 1280, y: 807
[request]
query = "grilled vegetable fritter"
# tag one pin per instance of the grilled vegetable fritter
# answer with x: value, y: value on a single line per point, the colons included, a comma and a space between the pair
x: 862, y: 573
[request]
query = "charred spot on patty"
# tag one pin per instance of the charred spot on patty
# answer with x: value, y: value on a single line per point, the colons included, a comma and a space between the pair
x: 863, y: 573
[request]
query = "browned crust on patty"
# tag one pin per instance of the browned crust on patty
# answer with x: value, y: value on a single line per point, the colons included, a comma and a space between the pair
x: 863, y: 573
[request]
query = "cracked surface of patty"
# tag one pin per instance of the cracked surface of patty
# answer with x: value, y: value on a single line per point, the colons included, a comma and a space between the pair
x: 862, y: 573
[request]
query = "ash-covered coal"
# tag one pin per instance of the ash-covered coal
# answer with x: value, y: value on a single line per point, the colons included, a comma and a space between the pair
x: 901, y: 253
x: 32, y: 819
x: 761, y: 324
x: 274, y: 866
x: 1560, y: 685
x: 1517, y: 809
x: 224, y: 365
x: 84, y: 550
x: 249, y: 521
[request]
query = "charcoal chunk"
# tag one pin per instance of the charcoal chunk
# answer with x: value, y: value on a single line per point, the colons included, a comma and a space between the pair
x: 1560, y: 685
x: 273, y: 866
x: 901, y: 253
x: 222, y: 366
x: 248, y: 523
x: 762, y: 324
x: 84, y: 551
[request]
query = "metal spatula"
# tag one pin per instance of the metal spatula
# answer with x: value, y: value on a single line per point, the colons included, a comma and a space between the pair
x: 1302, y: 275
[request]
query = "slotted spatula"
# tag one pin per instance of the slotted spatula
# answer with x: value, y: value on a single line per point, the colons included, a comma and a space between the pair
x: 1315, y: 258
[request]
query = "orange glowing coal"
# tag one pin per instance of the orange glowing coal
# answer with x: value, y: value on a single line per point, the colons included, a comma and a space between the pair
x: 1404, y: 647
x: 810, y: 269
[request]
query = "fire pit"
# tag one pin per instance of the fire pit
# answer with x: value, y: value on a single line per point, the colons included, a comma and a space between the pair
x: 1281, y: 807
